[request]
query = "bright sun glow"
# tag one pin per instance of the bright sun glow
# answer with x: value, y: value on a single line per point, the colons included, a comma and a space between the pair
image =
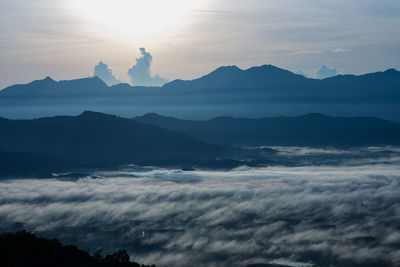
x: 136, y: 18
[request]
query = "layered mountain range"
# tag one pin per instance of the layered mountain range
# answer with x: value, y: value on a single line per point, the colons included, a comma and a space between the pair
x: 99, y: 138
x: 39, y: 147
x: 363, y: 112
x: 256, y: 92
x: 307, y: 130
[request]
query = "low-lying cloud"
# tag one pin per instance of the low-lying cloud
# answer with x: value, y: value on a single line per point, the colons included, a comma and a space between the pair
x: 326, y: 215
x: 140, y: 73
x: 102, y: 71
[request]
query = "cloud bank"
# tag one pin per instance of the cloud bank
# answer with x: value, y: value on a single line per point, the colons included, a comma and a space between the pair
x: 140, y: 73
x: 327, y: 216
x: 102, y: 71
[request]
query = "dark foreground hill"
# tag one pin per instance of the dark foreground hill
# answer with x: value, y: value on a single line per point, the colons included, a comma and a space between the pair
x: 307, y: 130
x: 254, y: 92
x: 96, y: 138
x: 23, y: 249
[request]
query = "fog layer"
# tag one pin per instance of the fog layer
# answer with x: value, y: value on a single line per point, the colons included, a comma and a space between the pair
x: 337, y: 216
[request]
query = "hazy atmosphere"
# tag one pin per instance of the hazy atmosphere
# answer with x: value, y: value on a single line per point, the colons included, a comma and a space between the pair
x: 210, y: 133
x: 65, y: 39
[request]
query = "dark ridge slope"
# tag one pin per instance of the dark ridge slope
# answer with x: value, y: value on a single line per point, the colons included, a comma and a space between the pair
x: 308, y: 130
x: 99, y: 138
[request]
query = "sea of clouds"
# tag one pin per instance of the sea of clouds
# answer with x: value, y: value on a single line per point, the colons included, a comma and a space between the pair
x: 347, y: 215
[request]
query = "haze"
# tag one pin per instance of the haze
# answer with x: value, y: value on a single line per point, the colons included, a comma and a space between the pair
x: 57, y: 38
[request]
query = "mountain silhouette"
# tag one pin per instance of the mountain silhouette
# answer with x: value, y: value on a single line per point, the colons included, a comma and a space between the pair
x: 50, y: 88
x: 24, y: 249
x: 308, y: 130
x: 255, y: 92
x: 230, y: 77
x: 96, y: 138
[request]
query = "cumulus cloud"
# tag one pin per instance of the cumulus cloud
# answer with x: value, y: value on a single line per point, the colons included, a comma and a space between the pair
x: 322, y: 215
x: 326, y: 72
x: 140, y: 73
x: 102, y: 71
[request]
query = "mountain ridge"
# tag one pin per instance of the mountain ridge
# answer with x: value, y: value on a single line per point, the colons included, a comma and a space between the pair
x: 258, y: 91
x: 218, y: 71
x: 97, y: 138
x: 312, y: 129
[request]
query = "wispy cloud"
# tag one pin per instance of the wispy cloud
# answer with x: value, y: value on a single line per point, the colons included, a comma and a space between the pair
x: 336, y: 50
x: 340, y: 50
x: 308, y: 52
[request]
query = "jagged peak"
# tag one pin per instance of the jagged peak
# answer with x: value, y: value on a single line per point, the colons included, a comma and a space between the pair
x: 48, y: 79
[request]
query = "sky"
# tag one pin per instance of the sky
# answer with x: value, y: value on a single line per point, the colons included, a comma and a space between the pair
x: 66, y: 39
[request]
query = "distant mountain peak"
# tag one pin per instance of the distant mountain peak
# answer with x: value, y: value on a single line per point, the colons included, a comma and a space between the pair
x: 48, y: 79
x: 234, y: 77
x: 224, y: 70
x: 152, y: 115
x: 229, y: 67
x: 268, y: 69
x: 87, y: 114
x: 268, y: 66
x: 94, y: 116
x: 391, y: 70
